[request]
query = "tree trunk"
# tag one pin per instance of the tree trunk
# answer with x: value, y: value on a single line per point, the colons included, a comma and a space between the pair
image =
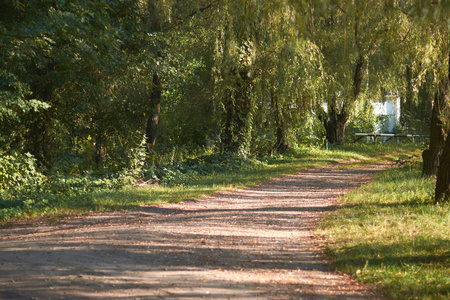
x: 423, y: 109
x: 407, y: 103
x: 38, y: 136
x: 281, y: 143
x: 336, y: 121
x: 442, y: 192
x: 155, y: 111
x: 330, y: 127
x: 100, y: 150
x: 358, y: 78
x: 335, y: 127
x: 227, y: 136
x: 431, y: 156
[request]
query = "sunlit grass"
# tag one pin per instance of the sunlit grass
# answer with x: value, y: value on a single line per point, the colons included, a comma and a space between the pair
x: 275, y: 166
x: 199, y: 186
x: 392, y: 235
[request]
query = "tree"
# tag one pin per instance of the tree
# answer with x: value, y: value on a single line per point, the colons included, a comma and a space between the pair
x: 350, y: 33
x: 263, y: 70
x: 291, y: 72
x: 442, y: 191
x: 49, y: 50
x: 236, y: 56
x: 433, y: 19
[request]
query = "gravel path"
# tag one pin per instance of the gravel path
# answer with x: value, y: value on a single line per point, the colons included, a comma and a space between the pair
x: 253, y: 243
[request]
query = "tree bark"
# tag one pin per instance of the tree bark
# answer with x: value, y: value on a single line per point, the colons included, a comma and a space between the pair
x: 39, y: 132
x: 336, y: 121
x: 407, y: 103
x: 431, y: 156
x: 359, y: 77
x: 155, y: 111
x: 154, y: 25
x: 335, y: 127
x: 442, y: 192
x: 281, y: 143
x: 227, y: 136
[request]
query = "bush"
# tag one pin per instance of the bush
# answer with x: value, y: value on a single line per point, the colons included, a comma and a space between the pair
x: 183, y: 171
x: 20, y: 182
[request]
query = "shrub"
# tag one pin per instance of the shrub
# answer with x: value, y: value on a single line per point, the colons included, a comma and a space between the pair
x: 20, y: 182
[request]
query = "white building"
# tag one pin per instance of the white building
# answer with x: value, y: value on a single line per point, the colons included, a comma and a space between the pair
x: 391, y: 109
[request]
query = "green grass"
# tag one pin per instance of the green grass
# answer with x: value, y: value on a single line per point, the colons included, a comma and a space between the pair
x: 195, y: 186
x: 390, y: 234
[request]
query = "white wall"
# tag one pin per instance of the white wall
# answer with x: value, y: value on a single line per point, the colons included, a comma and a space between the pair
x: 390, y: 107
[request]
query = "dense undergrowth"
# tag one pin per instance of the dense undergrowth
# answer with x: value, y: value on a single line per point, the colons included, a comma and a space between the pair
x: 25, y: 191
x: 392, y: 235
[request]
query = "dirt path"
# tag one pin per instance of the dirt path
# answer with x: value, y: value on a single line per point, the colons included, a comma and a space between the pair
x: 254, y: 243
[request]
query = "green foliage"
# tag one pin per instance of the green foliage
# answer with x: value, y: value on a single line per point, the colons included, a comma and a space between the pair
x: 363, y: 119
x: 390, y: 234
x: 78, y: 93
x: 185, y: 171
x: 19, y: 182
x: 172, y: 179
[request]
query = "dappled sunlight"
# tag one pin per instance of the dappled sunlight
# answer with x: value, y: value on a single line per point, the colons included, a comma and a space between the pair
x: 251, y: 243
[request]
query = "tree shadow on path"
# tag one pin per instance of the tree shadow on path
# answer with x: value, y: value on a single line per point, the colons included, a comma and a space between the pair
x: 253, y: 243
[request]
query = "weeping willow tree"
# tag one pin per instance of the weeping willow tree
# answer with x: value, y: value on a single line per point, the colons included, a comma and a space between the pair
x: 292, y: 82
x: 434, y: 19
x: 236, y: 72
x: 265, y: 71
x: 349, y: 33
x: 434, y: 74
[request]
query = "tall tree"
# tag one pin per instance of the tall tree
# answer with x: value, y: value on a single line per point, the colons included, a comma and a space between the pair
x: 350, y: 33
x: 432, y: 21
x: 262, y: 60
x: 433, y: 18
x: 442, y: 191
x: 236, y: 56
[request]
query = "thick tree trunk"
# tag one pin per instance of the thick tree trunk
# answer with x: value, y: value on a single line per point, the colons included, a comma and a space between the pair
x: 282, y: 145
x: 336, y: 121
x: 330, y: 128
x: 335, y: 128
x: 442, y: 192
x: 431, y: 156
x: 155, y: 111
x: 360, y: 70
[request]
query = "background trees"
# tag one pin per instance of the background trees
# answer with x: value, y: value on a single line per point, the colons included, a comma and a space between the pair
x: 83, y: 84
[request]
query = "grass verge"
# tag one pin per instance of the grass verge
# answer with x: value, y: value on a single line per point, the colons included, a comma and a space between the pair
x: 192, y: 185
x: 390, y: 234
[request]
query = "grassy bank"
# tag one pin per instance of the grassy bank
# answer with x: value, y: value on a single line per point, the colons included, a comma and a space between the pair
x: 188, y: 179
x: 390, y: 234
